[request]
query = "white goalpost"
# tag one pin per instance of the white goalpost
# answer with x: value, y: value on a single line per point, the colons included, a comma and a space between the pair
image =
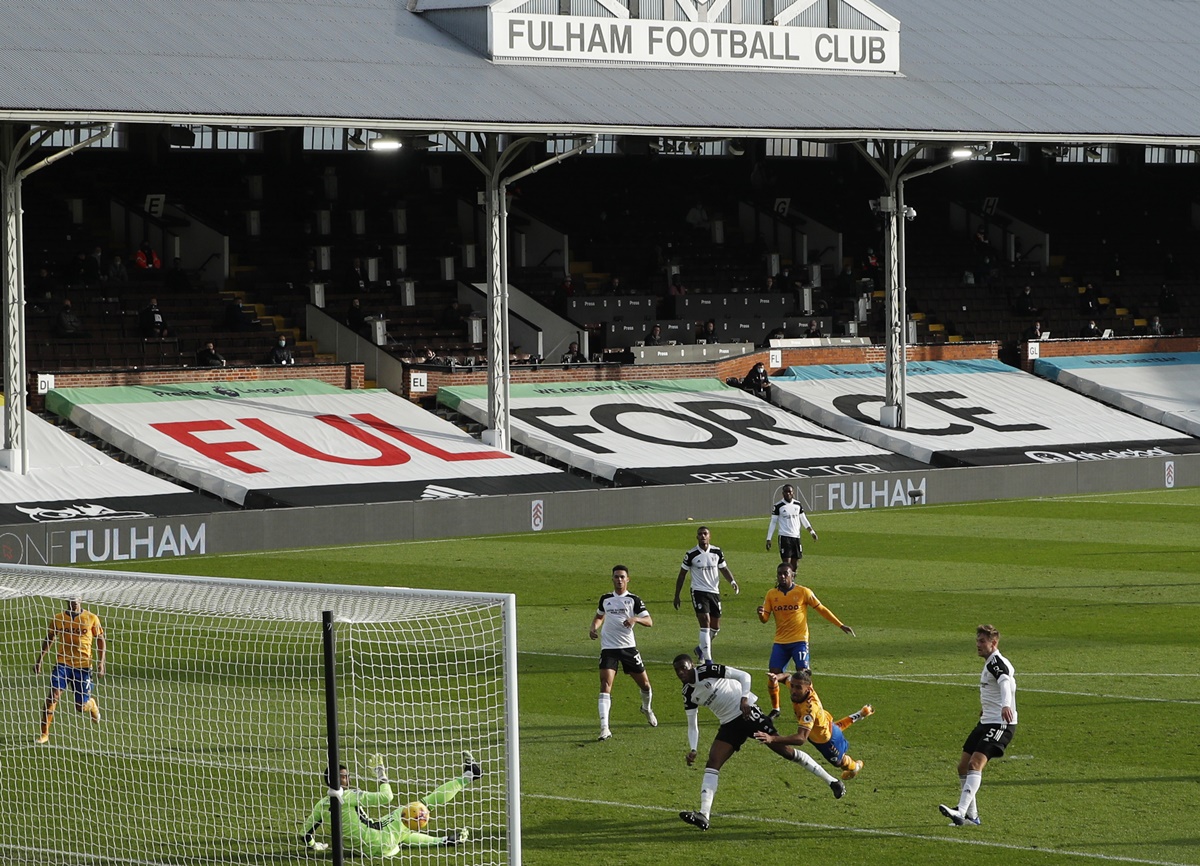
x: 212, y: 738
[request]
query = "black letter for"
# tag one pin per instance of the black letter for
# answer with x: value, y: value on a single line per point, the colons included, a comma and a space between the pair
x: 610, y: 417
x: 533, y: 417
x: 751, y: 420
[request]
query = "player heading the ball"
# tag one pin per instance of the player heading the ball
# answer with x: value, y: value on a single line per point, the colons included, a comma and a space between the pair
x: 815, y: 725
x: 726, y: 691
x: 401, y: 827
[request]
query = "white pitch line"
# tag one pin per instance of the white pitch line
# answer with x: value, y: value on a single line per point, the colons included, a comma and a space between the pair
x: 1023, y: 689
x: 1088, y: 497
x: 924, y: 680
x: 868, y: 831
x: 1057, y: 674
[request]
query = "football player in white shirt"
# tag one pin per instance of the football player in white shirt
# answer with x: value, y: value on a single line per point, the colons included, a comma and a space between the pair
x: 997, y: 724
x: 726, y: 691
x: 616, y: 615
x: 706, y: 564
x: 789, y: 516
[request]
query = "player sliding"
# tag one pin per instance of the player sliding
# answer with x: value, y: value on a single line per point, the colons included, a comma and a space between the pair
x: 726, y: 691
x: 815, y: 725
x: 401, y: 827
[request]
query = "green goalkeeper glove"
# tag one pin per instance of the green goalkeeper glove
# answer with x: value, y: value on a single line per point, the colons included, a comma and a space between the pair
x: 456, y: 837
x: 375, y: 762
x: 313, y: 844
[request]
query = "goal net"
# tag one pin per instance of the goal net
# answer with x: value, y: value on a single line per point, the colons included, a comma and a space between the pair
x: 211, y: 740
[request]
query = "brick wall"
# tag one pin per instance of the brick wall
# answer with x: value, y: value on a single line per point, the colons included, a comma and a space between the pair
x: 722, y: 370
x: 1115, y: 346
x: 352, y: 376
x: 347, y: 376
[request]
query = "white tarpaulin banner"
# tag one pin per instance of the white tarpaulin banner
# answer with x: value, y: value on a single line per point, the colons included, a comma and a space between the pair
x: 974, y: 413
x: 667, y: 432
x: 1164, y: 387
x: 68, y: 479
x: 299, y: 442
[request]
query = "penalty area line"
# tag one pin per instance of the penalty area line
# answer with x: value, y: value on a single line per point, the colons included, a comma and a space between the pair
x: 942, y: 680
x: 939, y: 680
x: 869, y: 831
x: 1105, y: 674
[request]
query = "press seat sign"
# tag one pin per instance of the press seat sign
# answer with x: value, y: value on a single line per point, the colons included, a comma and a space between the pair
x: 522, y: 37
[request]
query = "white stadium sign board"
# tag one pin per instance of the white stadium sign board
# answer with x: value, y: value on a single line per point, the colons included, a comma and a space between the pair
x: 703, y: 34
x: 678, y: 431
x: 299, y: 442
x: 1159, y: 387
x: 974, y: 413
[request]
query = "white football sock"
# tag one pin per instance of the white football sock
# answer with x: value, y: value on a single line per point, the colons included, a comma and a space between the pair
x: 973, y: 812
x: 708, y: 790
x: 706, y: 643
x: 970, y: 787
x: 647, y: 696
x: 604, y: 705
x: 809, y: 764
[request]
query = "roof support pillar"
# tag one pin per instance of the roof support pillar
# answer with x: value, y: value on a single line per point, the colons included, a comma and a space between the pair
x: 16, y: 449
x: 896, y: 215
x: 14, y: 152
x: 494, y: 161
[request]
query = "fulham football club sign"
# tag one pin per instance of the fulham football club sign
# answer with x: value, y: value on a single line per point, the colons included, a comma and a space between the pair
x: 800, y: 36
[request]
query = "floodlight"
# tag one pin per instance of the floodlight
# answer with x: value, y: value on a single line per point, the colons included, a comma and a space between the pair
x: 386, y: 142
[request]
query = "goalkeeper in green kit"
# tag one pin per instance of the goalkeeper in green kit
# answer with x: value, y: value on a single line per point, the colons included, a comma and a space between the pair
x: 403, y: 826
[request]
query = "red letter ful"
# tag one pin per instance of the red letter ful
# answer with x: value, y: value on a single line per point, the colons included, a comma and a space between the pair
x: 388, y: 454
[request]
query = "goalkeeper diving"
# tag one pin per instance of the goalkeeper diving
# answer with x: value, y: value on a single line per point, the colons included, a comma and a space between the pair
x: 400, y: 827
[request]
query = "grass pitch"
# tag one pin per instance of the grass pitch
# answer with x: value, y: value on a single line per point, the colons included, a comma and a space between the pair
x: 1096, y: 598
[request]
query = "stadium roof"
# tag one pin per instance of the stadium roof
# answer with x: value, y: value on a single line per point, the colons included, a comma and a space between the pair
x: 1070, y: 70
